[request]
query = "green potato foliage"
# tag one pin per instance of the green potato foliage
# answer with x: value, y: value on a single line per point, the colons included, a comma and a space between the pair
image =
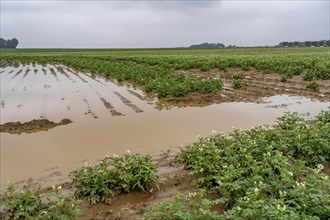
x: 268, y: 172
x: 239, y: 84
x: 114, y: 175
x: 31, y: 203
x: 192, y: 206
x: 313, y: 86
x: 155, y: 71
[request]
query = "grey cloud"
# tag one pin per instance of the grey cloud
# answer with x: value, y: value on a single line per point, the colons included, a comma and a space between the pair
x: 162, y: 24
x: 170, y: 5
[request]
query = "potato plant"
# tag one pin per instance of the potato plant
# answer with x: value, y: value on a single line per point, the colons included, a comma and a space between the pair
x: 268, y: 172
x: 114, y: 175
x: 313, y: 86
x: 239, y: 84
x: 155, y: 71
x: 194, y: 205
x: 32, y: 203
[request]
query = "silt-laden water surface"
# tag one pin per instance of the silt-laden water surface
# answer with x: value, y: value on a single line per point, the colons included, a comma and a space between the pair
x: 107, y: 118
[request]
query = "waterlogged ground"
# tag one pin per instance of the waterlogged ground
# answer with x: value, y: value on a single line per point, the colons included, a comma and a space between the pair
x: 108, y: 118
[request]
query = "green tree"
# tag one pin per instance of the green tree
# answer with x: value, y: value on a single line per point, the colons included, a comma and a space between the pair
x: 2, y: 43
x: 315, y: 43
x: 322, y: 43
x: 208, y: 45
x: 10, y: 43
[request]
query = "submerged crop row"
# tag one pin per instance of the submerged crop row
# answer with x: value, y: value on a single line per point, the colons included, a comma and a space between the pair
x: 159, y: 80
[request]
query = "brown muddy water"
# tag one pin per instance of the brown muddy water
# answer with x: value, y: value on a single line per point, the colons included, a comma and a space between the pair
x: 108, y: 118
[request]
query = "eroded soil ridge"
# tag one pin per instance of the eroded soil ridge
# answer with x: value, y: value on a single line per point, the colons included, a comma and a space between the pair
x: 31, y: 126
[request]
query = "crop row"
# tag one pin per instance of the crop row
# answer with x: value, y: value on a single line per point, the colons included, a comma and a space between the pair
x: 313, y: 66
x: 156, y: 70
x: 159, y: 80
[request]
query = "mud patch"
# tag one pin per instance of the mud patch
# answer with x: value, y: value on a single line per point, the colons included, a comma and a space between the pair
x: 31, y: 126
x: 260, y: 85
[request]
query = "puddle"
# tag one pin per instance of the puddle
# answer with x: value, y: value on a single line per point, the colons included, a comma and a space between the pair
x: 107, y: 119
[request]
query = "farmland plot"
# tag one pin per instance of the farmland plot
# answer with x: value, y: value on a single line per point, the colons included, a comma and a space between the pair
x: 105, y: 104
x: 106, y: 118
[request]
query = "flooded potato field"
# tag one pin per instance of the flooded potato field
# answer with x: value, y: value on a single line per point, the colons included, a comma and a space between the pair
x: 107, y: 118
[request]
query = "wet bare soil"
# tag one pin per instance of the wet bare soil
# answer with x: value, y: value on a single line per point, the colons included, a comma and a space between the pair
x: 259, y: 85
x: 31, y: 126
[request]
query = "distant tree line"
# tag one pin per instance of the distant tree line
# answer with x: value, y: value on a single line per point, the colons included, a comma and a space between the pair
x: 10, y: 43
x: 321, y: 43
x: 208, y: 45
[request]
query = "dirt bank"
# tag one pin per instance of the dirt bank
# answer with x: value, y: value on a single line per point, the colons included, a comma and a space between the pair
x: 260, y: 85
x: 31, y: 126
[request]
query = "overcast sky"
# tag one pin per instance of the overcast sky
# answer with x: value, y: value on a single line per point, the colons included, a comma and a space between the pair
x: 134, y: 24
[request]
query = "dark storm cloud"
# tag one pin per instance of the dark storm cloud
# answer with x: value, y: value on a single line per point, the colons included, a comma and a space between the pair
x: 162, y: 23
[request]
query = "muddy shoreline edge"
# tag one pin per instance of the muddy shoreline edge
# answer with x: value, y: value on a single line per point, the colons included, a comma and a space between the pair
x: 32, y: 126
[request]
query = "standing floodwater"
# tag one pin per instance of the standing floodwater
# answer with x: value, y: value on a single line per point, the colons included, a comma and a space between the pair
x: 107, y: 118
